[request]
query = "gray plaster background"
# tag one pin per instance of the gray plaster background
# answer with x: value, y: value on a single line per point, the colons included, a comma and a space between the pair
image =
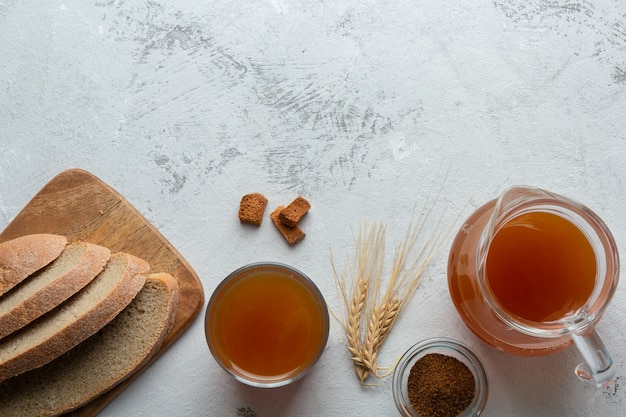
x: 360, y: 106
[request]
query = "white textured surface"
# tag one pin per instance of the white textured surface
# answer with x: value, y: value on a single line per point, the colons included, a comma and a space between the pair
x: 360, y: 106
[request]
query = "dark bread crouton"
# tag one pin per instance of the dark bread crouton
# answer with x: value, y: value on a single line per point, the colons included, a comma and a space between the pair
x: 251, y: 208
x: 291, y: 214
x: 293, y: 234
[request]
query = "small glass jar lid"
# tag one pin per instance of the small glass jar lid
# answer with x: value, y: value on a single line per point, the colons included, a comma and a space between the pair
x: 444, y: 349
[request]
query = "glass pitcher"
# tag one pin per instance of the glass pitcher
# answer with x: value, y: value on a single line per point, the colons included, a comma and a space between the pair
x: 507, y: 283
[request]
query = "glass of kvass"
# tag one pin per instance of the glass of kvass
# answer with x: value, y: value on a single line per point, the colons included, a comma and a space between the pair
x: 267, y: 324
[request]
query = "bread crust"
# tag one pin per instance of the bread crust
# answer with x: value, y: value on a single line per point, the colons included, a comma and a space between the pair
x: 25, y: 255
x: 74, y: 321
x: 43, y: 291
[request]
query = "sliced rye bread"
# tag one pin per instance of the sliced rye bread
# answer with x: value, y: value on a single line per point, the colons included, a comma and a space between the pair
x: 99, y: 363
x: 75, y: 320
x: 25, y: 255
x: 77, y: 265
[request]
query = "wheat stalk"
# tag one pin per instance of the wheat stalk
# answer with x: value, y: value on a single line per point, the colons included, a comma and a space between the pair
x: 371, y: 306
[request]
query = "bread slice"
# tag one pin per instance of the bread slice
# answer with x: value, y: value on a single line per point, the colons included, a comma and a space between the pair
x: 77, y: 265
x: 100, y: 362
x: 75, y: 320
x: 25, y: 255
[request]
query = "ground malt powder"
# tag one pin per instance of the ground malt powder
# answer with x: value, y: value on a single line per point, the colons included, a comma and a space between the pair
x: 440, y: 386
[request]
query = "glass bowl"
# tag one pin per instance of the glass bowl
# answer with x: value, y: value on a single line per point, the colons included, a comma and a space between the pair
x: 267, y: 324
x: 447, y: 347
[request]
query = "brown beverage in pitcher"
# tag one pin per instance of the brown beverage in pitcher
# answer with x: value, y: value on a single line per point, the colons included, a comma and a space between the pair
x: 540, y: 267
x: 531, y: 272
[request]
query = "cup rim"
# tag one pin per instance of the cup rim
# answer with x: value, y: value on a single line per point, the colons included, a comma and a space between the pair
x: 449, y: 347
x: 313, y: 290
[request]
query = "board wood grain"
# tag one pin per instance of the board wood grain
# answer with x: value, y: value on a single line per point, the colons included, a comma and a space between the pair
x: 79, y: 205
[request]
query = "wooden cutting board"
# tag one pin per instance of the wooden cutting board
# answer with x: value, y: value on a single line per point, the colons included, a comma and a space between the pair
x: 80, y: 206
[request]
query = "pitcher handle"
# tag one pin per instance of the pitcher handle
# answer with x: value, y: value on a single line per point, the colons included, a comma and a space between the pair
x: 597, y: 369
